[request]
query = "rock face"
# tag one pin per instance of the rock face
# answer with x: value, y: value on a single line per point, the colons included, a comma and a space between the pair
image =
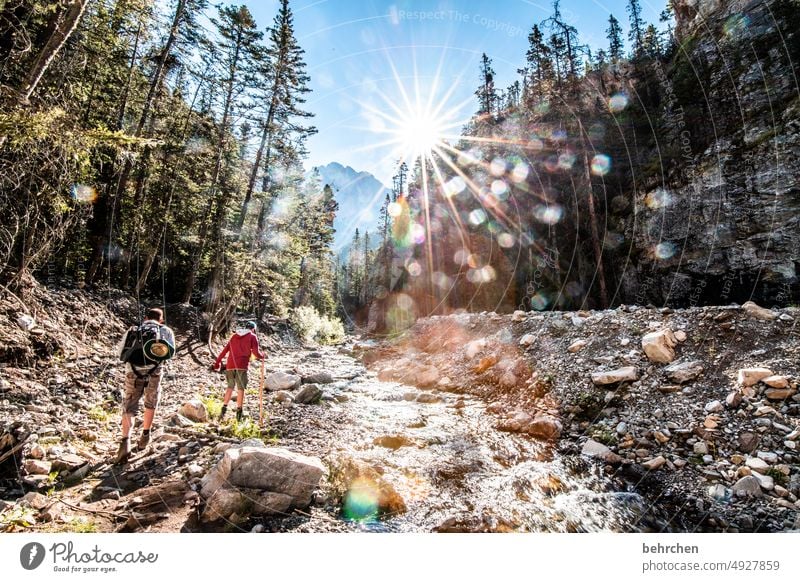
x: 281, y: 381
x: 267, y: 470
x: 731, y: 203
x: 626, y: 374
x: 659, y: 346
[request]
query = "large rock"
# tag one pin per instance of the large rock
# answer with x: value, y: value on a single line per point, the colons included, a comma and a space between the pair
x: 545, y: 427
x: 757, y: 465
x: 577, y: 346
x: 223, y: 503
x: 281, y: 381
x: 626, y: 374
x: 68, y: 462
x: 195, y: 410
x: 748, y: 486
x: 308, y: 394
x: 776, y: 381
x: 659, y: 346
x: 595, y: 450
x: 684, y: 372
x: 757, y: 312
x: 748, y: 442
x: 37, y: 467
x: 779, y: 393
x: 654, y: 464
x: 318, y: 378
x: 752, y: 376
x: 266, y: 469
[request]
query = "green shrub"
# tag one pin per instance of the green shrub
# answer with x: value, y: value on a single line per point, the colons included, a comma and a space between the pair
x: 311, y: 326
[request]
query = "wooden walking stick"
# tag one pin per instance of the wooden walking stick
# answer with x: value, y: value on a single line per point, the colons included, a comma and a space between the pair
x: 261, y: 397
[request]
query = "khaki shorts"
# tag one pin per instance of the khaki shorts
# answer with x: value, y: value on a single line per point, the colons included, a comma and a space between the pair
x: 236, y: 379
x: 136, y: 387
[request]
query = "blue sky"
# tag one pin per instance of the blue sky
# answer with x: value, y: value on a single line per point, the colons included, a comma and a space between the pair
x: 363, y: 55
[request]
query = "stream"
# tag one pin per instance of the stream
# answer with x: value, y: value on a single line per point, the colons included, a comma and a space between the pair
x: 456, y: 472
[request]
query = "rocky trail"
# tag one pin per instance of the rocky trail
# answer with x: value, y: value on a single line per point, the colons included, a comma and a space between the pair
x: 626, y: 420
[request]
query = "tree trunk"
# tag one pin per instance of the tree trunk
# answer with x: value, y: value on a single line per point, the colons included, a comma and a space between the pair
x: 598, y: 250
x: 65, y: 25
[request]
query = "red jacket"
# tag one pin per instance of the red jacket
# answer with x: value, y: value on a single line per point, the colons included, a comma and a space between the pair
x: 239, y: 348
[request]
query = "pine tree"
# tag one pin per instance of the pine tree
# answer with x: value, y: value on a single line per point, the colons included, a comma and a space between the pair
x: 237, y: 51
x: 486, y: 93
x: 282, y: 98
x: 564, y: 43
x: 540, y: 65
x: 614, y: 35
x: 651, y: 46
x: 636, y: 33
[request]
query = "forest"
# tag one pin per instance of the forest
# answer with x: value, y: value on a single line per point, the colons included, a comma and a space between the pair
x: 159, y: 149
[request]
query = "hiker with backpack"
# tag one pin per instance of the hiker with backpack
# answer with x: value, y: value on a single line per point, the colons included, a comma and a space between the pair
x: 144, y: 349
x: 240, y: 348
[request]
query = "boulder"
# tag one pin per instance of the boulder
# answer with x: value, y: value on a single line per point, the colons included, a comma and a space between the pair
x: 748, y: 442
x: 393, y: 442
x: 659, y: 346
x: 714, y: 406
x: 195, y: 410
x: 545, y: 428
x: 626, y: 374
x: 519, y: 316
x: 768, y: 456
x: 776, y: 381
x: 266, y: 469
x: 283, y: 397
x: 34, y: 500
x: 37, y: 452
x: 684, y: 372
x: 37, y: 467
x: 428, y: 398
x: 577, y: 346
x: 527, y: 340
x: 779, y: 393
x: 225, y: 502
x: 757, y: 465
x: 752, y: 376
x: 281, y: 381
x: 270, y: 503
x: 680, y: 335
x: 318, y: 378
x: 595, y: 450
x: 308, y: 394
x: 654, y: 464
x: 755, y: 311
x: 733, y: 400
x: 748, y: 486
x: 68, y: 462
x: 766, y: 482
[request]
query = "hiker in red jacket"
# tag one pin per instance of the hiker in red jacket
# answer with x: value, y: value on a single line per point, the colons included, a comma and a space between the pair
x: 239, y: 349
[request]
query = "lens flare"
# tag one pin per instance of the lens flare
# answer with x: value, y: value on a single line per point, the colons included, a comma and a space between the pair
x: 551, y: 214
x: 657, y: 199
x: 618, y: 102
x: 84, y: 194
x: 454, y: 186
x: 520, y: 172
x: 498, y: 167
x: 505, y: 240
x: 665, y: 250
x: 477, y: 216
x: 361, y: 501
x: 499, y: 188
x: 601, y: 165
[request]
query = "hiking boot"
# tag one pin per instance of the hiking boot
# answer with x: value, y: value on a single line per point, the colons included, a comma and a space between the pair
x: 124, y: 452
x: 222, y: 412
x: 239, y: 414
x: 144, y: 440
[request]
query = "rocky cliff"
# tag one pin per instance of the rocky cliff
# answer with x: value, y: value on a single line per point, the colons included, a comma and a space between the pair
x: 719, y: 223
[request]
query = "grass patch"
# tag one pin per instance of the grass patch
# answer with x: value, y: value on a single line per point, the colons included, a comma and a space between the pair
x: 213, y: 405
x: 81, y: 526
x: 248, y: 429
x: 16, y: 517
x: 98, y: 413
x: 603, y: 434
x: 777, y: 476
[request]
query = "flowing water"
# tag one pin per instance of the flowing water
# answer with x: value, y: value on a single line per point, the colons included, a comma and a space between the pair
x: 456, y: 472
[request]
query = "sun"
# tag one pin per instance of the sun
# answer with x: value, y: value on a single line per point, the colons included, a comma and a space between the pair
x: 419, y: 133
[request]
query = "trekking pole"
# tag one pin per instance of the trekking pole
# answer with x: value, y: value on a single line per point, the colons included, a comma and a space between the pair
x: 261, y: 397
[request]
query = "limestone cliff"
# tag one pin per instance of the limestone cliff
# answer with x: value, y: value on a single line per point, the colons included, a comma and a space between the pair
x: 720, y: 221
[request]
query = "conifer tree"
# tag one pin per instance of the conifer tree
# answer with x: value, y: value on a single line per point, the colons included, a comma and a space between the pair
x: 614, y: 35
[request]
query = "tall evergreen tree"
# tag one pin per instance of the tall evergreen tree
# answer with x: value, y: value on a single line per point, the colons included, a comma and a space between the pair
x: 486, y: 93
x: 615, y: 44
x: 282, y: 96
x: 636, y: 33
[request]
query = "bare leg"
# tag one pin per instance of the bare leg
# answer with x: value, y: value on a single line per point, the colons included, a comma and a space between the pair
x: 126, y: 425
x: 240, y: 398
x: 149, y: 414
x: 227, y: 398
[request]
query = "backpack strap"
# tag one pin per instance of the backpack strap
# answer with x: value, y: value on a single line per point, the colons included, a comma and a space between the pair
x: 146, y: 374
